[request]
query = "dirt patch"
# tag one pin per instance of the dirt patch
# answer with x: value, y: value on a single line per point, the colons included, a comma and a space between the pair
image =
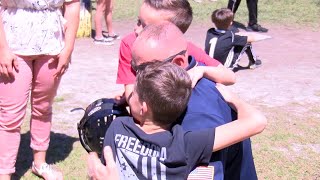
x: 289, y: 73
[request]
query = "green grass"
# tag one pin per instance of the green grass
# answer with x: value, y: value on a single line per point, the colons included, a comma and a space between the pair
x: 285, y: 12
x: 289, y: 148
x: 58, y: 99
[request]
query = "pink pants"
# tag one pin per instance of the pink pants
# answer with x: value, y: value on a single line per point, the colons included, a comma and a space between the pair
x: 35, y: 77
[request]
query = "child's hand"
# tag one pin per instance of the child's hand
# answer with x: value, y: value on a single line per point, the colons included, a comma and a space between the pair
x: 120, y: 99
x: 196, y: 74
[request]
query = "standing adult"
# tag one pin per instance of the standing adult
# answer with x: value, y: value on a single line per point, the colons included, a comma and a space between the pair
x: 34, y: 54
x: 104, y: 9
x: 252, y: 6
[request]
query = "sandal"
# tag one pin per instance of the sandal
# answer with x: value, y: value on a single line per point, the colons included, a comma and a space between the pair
x: 46, y: 172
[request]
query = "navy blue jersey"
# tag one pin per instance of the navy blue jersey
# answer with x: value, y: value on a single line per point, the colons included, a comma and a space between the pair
x: 220, y: 44
x: 208, y: 109
x: 163, y: 155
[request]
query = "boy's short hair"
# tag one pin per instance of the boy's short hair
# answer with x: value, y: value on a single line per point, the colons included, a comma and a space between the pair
x: 166, y: 89
x: 180, y: 9
x: 222, y: 18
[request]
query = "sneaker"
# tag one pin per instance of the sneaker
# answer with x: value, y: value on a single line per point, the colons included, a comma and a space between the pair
x: 46, y: 172
x: 256, y: 64
x: 256, y: 28
x: 103, y: 41
x: 111, y: 38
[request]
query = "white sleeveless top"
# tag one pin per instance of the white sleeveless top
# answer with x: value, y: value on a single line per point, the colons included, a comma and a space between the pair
x: 33, y: 27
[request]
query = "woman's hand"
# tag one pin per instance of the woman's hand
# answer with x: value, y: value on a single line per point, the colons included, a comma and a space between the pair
x: 8, y: 61
x: 63, y: 62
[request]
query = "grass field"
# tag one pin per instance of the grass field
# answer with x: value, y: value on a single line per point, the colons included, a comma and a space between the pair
x: 289, y: 148
x: 285, y: 12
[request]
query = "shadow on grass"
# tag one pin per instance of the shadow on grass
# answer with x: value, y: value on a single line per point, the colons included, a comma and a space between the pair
x: 239, y: 25
x: 241, y: 68
x: 59, y: 149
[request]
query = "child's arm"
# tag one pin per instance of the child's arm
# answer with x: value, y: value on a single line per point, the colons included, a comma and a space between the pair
x: 220, y: 74
x: 253, y: 37
x: 209, y: 72
x: 250, y: 122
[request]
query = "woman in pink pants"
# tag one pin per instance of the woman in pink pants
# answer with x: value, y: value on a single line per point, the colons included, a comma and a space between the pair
x: 36, y: 42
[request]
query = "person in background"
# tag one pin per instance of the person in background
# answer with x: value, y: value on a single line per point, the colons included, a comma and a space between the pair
x: 253, y: 14
x: 227, y: 46
x: 35, y: 52
x: 104, y: 11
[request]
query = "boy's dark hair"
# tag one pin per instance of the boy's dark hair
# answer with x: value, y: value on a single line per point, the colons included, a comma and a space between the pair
x: 166, y: 89
x: 180, y: 9
x: 222, y: 18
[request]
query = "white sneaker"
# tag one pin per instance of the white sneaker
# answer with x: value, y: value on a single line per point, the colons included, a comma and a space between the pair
x: 257, y: 64
x: 111, y: 38
x: 103, y: 41
x: 46, y: 172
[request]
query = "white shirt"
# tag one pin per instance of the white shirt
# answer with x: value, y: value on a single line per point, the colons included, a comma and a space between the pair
x: 33, y: 27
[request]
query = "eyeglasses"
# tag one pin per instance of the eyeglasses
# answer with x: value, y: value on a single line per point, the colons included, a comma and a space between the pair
x: 170, y: 59
x: 136, y: 67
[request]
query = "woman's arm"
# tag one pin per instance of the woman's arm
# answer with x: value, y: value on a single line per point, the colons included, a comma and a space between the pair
x: 72, y: 15
x: 7, y: 58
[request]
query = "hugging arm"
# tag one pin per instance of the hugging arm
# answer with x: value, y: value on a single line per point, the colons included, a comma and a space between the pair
x: 250, y: 122
x: 217, y: 72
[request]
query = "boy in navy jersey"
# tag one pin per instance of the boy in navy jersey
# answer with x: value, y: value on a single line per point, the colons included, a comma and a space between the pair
x: 228, y: 47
